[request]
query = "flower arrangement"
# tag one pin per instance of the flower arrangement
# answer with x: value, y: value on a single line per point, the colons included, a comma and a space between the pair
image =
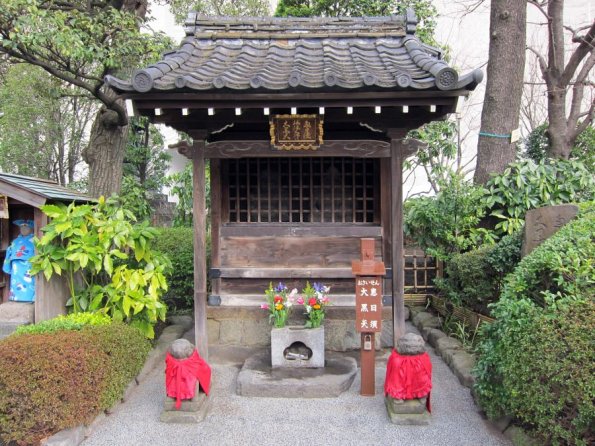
x: 315, y: 300
x: 279, y: 301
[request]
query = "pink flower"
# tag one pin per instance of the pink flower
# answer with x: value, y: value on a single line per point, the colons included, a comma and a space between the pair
x: 325, y: 300
x: 264, y: 306
x: 300, y: 300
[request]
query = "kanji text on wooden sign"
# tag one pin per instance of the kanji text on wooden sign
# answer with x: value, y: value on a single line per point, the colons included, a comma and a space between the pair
x: 296, y: 132
x: 368, y: 304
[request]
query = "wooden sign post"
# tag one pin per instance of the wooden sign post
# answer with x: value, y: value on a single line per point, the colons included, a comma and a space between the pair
x: 368, y: 310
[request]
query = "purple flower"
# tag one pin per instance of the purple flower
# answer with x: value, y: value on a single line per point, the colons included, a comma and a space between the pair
x: 318, y: 287
x: 280, y: 287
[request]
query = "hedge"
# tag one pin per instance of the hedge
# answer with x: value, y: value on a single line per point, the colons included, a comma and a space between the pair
x: 537, y: 361
x: 58, y: 380
x: 474, y: 279
x: 177, y: 244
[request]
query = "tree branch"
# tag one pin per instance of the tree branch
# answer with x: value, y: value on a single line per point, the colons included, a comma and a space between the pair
x: 542, y: 64
x: 584, y: 48
x: 540, y: 7
x: 577, y: 96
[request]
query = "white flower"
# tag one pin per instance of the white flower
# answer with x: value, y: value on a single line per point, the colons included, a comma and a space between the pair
x: 326, y: 289
x: 293, y: 292
x: 308, y: 308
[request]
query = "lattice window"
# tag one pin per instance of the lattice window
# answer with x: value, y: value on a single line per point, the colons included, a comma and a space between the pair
x: 303, y: 190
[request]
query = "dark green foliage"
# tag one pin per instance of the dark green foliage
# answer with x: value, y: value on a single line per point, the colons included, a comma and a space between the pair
x: 536, y: 362
x: 526, y: 185
x: 54, y: 381
x: 74, y: 321
x: 446, y: 224
x: 474, y: 279
x: 177, y: 244
x: 536, y: 145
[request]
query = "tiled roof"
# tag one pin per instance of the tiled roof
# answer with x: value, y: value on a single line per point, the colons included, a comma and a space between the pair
x: 244, y: 54
x: 45, y: 188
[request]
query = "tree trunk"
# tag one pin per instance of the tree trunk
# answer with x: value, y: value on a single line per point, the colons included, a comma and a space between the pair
x: 504, y: 88
x: 105, y: 154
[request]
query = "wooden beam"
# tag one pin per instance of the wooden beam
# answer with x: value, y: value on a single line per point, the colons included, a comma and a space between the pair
x: 304, y: 230
x: 21, y: 194
x: 398, y: 264
x: 200, y: 252
x: 294, y: 98
x: 263, y: 148
x: 282, y: 273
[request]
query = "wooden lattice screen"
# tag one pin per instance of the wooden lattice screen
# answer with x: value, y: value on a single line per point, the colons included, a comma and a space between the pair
x: 303, y: 190
x: 420, y: 272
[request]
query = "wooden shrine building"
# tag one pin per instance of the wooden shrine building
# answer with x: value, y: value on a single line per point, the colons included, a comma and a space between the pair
x: 303, y: 122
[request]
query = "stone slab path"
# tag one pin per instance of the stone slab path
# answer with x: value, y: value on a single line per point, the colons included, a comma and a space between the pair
x: 347, y: 420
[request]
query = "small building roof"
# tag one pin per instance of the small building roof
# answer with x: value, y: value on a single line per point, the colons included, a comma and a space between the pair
x: 251, y: 55
x: 37, y: 191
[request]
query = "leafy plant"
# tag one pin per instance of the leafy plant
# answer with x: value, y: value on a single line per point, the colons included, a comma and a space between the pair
x: 526, y: 185
x: 74, y: 321
x: 447, y: 223
x: 99, y: 244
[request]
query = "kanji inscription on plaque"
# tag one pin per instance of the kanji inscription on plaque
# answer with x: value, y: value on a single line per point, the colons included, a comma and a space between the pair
x: 296, y: 132
x: 368, y: 304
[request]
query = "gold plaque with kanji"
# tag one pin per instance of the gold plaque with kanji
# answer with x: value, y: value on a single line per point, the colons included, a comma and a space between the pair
x: 296, y: 132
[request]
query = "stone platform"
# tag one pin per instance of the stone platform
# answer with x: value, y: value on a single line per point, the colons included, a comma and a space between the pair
x: 258, y: 379
x: 14, y: 314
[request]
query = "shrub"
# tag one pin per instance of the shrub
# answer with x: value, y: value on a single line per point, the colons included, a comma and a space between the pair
x: 526, y: 185
x: 74, y: 321
x: 447, y: 223
x: 122, y: 276
x: 54, y: 381
x: 177, y: 244
x: 474, y: 279
x: 536, y: 362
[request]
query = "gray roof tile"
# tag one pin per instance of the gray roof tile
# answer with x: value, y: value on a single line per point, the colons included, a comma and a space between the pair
x: 244, y: 54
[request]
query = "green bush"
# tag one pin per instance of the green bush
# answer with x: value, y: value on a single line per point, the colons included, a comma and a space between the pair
x: 178, y: 245
x: 447, y: 224
x: 536, y: 362
x: 74, y: 321
x: 54, y: 381
x: 526, y: 185
x: 474, y: 279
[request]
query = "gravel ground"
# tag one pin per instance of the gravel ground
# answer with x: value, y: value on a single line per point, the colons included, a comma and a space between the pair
x: 348, y: 420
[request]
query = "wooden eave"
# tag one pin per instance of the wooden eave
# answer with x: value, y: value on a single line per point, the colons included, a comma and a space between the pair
x: 23, y: 195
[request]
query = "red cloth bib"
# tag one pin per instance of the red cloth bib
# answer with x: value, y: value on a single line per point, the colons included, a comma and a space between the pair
x: 181, y: 376
x: 408, y: 377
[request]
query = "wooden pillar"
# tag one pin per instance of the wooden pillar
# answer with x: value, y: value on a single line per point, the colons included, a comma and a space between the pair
x: 200, y: 251
x: 397, y: 263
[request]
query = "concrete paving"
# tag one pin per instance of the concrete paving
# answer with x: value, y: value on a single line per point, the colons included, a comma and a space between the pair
x: 349, y: 419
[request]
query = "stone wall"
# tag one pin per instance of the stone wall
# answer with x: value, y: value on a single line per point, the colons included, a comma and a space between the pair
x: 249, y: 327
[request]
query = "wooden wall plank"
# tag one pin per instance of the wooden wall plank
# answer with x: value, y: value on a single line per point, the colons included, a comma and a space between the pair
x: 290, y: 252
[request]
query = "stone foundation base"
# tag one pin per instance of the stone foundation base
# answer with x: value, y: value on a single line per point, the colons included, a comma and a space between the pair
x: 191, y: 411
x: 310, y: 353
x: 258, y: 379
x: 407, y: 412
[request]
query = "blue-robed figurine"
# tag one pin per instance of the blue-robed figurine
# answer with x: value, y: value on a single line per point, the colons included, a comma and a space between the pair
x: 17, y: 264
